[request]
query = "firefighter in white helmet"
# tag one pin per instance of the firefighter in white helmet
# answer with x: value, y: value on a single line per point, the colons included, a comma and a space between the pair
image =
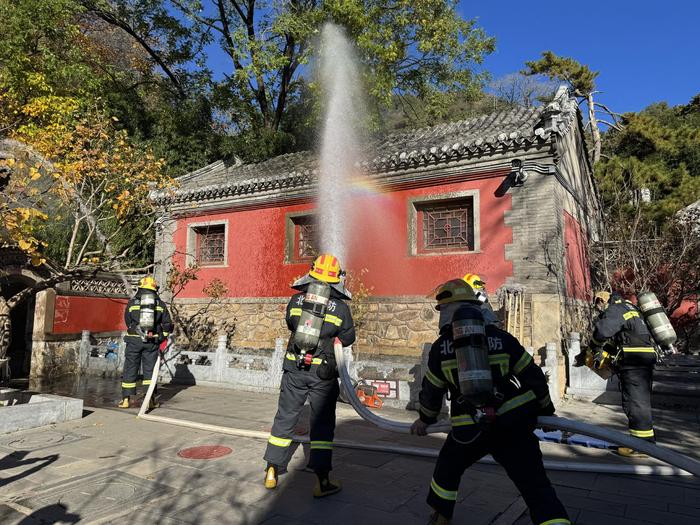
x: 496, y: 393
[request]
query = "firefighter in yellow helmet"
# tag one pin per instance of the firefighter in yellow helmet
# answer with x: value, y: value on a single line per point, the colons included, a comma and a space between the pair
x: 316, y: 315
x: 479, y: 286
x: 148, y: 325
x: 496, y: 393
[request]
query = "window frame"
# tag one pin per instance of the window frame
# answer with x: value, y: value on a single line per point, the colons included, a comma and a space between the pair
x: 292, y: 223
x: 415, y: 223
x: 193, y: 243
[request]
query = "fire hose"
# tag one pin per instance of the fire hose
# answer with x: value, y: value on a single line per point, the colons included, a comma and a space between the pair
x: 667, y: 456
x: 680, y: 464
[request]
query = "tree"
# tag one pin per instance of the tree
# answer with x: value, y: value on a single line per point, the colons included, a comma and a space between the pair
x: 649, y: 174
x: 581, y: 81
x: 518, y: 89
x: 62, y: 157
x: 197, y: 326
x: 410, y: 48
x: 655, y: 158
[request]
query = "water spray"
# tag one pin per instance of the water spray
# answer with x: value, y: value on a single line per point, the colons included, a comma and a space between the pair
x: 339, y: 153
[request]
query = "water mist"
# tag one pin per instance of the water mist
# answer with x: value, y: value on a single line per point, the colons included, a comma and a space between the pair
x: 340, y: 150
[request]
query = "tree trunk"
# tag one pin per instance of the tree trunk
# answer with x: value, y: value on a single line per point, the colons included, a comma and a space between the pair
x: 595, y: 131
x: 5, y: 327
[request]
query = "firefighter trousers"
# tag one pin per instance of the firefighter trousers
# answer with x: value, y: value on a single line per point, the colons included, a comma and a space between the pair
x: 518, y: 451
x: 635, y: 384
x: 296, y: 387
x: 138, y: 355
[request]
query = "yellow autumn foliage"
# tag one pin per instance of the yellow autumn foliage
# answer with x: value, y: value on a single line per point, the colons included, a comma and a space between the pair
x: 76, y: 155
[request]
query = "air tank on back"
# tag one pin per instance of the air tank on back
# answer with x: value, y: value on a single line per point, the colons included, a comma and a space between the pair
x: 313, y: 311
x: 657, y: 320
x: 472, y: 353
x: 147, y: 312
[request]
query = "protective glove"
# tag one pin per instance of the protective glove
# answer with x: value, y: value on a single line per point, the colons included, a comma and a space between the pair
x: 328, y: 368
x: 419, y: 428
x: 580, y: 359
x: 546, y: 411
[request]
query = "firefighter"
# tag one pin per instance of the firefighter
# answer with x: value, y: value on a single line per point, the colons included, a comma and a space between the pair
x: 148, y: 325
x: 621, y: 335
x: 315, y: 316
x: 600, y: 302
x: 479, y: 287
x: 500, y: 420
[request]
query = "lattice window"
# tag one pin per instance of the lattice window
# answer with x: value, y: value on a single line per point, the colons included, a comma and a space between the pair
x: 447, y: 225
x: 211, y: 245
x: 306, y: 237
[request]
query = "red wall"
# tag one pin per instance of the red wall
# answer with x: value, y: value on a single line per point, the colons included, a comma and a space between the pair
x: 73, y: 314
x: 378, y: 242
x: 578, y: 276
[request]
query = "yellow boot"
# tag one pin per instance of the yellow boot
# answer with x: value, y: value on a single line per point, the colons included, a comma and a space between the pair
x: 271, y: 477
x: 630, y: 453
x: 124, y: 403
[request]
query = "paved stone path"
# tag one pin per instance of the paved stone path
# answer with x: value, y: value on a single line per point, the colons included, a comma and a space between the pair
x: 110, y: 467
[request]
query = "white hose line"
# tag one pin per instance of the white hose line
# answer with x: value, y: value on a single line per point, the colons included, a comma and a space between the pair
x: 571, y: 466
x: 554, y: 422
x: 663, y: 454
x: 152, y: 387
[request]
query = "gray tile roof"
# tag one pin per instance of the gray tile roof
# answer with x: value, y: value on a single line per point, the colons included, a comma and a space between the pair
x: 517, y: 129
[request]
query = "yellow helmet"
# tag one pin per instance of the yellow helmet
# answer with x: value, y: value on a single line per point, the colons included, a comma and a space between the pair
x: 326, y: 268
x: 454, y: 291
x: 603, y: 296
x: 474, y: 281
x: 149, y: 283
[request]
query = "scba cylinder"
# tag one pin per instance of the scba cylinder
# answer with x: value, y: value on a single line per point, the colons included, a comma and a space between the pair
x: 655, y: 316
x: 313, y: 312
x: 147, y: 312
x: 472, y: 353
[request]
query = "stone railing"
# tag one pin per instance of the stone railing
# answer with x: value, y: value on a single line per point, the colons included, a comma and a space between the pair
x: 583, y: 382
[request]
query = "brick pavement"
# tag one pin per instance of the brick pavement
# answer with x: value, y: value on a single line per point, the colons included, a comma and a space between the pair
x: 110, y: 467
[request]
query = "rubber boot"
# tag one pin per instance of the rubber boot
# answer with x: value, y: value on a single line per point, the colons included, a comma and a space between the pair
x: 324, y: 486
x: 153, y: 402
x: 438, y: 519
x: 124, y: 403
x: 270, y: 477
x: 630, y: 453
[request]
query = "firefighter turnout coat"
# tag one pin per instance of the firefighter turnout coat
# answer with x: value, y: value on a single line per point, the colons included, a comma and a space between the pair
x: 621, y: 329
x: 522, y: 395
x: 142, y: 353
x: 301, y: 382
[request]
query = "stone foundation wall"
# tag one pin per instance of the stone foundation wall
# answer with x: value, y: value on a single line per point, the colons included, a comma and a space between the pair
x: 258, y: 321
x: 385, y: 326
x: 52, y: 359
x: 57, y: 356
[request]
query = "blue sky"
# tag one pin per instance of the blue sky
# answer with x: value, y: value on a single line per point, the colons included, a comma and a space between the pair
x: 646, y: 51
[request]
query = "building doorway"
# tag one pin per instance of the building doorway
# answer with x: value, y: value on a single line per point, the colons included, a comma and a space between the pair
x: 22, y: 319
